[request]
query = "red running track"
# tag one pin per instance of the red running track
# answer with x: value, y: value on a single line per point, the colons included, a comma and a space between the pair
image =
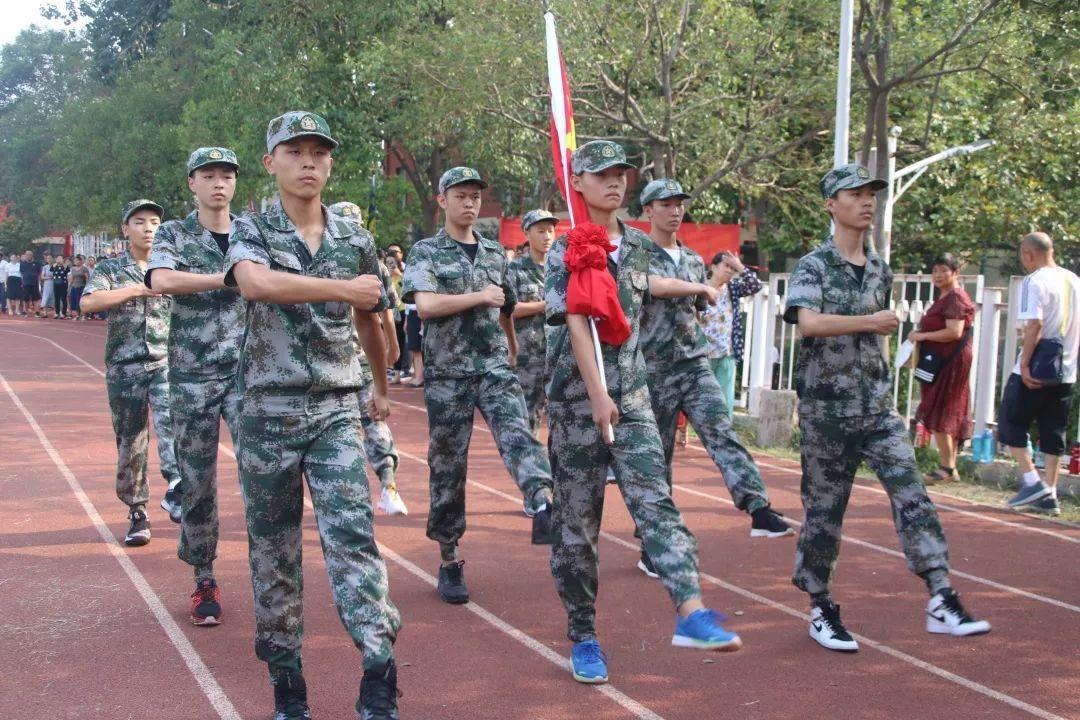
x: 92, y: 629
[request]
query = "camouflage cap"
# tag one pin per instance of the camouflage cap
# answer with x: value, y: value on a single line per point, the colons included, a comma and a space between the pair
x: 534, y: 216
x: 662, y: 190
x: 141, y: 204
x: 294, y: 124
x: 347, y: 209
x: 211, y: 156
x: 459, y: 176
x: 598, y: 155
x: 848, y: 177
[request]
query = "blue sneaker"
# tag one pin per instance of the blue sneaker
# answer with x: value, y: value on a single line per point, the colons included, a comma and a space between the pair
x: 1029, y: 494
x: 589, y: 662
x: 702, y: 630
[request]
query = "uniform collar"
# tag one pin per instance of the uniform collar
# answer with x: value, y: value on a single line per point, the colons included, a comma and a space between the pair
x: 831, y: 254
x: 279, y: 220
x: 126, y: 260
x: 192, y: 225
x: 443, y: 240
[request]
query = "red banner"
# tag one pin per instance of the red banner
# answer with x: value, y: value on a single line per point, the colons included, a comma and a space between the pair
x: 705, y: 239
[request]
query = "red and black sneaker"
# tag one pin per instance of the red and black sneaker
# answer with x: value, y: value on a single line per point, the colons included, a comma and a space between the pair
x: 206, y: 604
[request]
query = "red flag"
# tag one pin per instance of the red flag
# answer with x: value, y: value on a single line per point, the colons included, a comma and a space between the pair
x: 591, y: 290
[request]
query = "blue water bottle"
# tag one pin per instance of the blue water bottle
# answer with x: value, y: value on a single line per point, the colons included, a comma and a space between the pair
x: 977, y: 448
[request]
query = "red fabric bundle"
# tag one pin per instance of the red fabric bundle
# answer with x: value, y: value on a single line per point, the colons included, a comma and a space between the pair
x: 592, y: 290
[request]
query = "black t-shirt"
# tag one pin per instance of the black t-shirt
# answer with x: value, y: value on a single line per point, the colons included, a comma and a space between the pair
x: 60, y: 274
x: 470, y: 250
x: 860, y: 270
x: 222, y: 240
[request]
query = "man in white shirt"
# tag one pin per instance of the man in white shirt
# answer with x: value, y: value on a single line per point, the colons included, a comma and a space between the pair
x: 1049, y: 304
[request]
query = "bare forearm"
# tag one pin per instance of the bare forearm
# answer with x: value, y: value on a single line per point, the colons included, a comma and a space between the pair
x: 393, y: 349
x: 436, y: 305
x: 1032, y: 334
x: 812, y: 324
x: 108, y: 299
x: 944, y: 335
x: 371, y: 340
x: 666, y: 287
x: 528, y: 309
x: 582, y: 344
x: 178, y: 282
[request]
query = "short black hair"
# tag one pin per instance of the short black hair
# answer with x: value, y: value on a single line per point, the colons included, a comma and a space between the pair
x: 720, y: 257
x: 948, y: 260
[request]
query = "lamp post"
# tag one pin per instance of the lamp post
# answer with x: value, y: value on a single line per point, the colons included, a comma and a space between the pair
x: 843, y: 84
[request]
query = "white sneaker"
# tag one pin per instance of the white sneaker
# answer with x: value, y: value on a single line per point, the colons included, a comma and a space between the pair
x: 828, y: 630
x: 946, y: 616
x: 391, y: 502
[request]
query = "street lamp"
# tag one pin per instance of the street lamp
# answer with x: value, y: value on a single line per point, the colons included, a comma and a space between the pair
x: 897, y: 186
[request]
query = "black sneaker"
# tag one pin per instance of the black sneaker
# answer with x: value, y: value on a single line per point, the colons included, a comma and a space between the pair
x: 171, y: 502
x: 645, y: 565
x: 379, y: 693
x: 206, y: 604
x: 541, y: 529
x: 1048, y: 505
x: 766, y: 522
x: 829, y: 631
x: 138, y: 533
x: 452, y: 583
x: 290, y: 696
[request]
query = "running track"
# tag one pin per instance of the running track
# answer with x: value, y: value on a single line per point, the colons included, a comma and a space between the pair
x: 92, y: 629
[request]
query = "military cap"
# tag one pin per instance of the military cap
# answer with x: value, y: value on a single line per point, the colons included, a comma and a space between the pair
x: 848, y: 177
x: 459, y: 176
x: 211, y: 156
x: 598, y: 155
x: 347, y: 209
x: 294, y: 124
x: 534, y: 216
x: 662, y: 190
x: 141, y: 204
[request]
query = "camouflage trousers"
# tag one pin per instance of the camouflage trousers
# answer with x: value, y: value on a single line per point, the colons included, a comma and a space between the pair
x: 378, y: 440
x: 579, y: 461
x: 692, y: 389
x: 324, y: 446
x: 530, y: 374
x: 133, y: 398
x: 831, y: 452
x: 198, y: 408
x: 451, y: 404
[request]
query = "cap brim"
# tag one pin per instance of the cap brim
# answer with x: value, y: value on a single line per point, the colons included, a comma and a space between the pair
x: 662, y: 196
x: 552, y: 220
x: 465, y: 181
x: 333, y: 143
x: 874, y: 182
x: 610, y: 164
x: 152, y: 206
x: 230, y: 163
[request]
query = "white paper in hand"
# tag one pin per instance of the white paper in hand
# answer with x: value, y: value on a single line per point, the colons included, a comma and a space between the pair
x: 903, y: 354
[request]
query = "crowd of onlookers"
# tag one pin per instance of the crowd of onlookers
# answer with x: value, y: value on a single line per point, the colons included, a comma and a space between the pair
x: 50, y: 289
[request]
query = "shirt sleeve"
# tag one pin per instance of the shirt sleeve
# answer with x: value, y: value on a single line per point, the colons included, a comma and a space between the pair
x: 1032, y: 299
x: 747, y: 283
x: 101, y: 278
x: 556, y: 279
x: 245, y: 243
x: 804, y: 289
x: 419, y: 274
x: 369, y: 265
x: 509, y: 288
x: 162, y: 252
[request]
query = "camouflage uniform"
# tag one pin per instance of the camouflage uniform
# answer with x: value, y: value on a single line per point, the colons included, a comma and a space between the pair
x: 136, y: 364
x: 846, y: 416
x: 527, y: 280
x: 679, y: 376
x: 298, y: 377
x: 378, y: 440
x: 579, y: 458
x: 467, y: 365
x: 204, y: 352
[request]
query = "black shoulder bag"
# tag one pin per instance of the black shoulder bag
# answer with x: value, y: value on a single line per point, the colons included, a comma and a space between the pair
x: 932, y: 362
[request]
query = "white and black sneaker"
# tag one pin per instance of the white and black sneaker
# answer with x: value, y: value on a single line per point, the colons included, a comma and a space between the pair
x: 766, y: 522
x: 171, y: 502
x: 1029, y: 494
x: 644, y: 564
x: 829, y: 631
x: 138, y: 533
x: 946, y: 616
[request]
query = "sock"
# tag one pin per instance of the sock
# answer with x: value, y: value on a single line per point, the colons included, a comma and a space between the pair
x: 204, y: 572
x: 1031, y: 478
x: 1053, y: 492
x: 937, y: 580
x: 820, y: 599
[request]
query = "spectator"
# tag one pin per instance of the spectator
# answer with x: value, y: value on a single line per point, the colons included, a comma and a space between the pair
x: 394, y: 264
x: 46, y: 284
x: 14, y: 285
x: 30, y: 271
x: 1049, y: 300
x: 80, y: 273
x: 60, y: 271
x: 3, y: 282
x: 723, y: 321
x: 413, y: 340
x: 945, y: 331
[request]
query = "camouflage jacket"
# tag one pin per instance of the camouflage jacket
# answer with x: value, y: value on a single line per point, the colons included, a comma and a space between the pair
x: 468, y: 343
x: 138, y: 332
x: 847, y: 375
x: 294, y: 351
x: 670, y: 329
x: 204, y: 340
x: 624, y: 366
x: 527, y: 279
x: 391, y: 301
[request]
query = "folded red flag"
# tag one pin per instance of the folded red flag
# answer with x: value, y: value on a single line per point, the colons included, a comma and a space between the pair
x: 592, y: 290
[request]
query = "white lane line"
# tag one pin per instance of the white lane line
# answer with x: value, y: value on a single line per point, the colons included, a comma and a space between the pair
x: 895, y: 553
x: 749, y: 595
x: 869, y: 545
x: 203, y: 676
